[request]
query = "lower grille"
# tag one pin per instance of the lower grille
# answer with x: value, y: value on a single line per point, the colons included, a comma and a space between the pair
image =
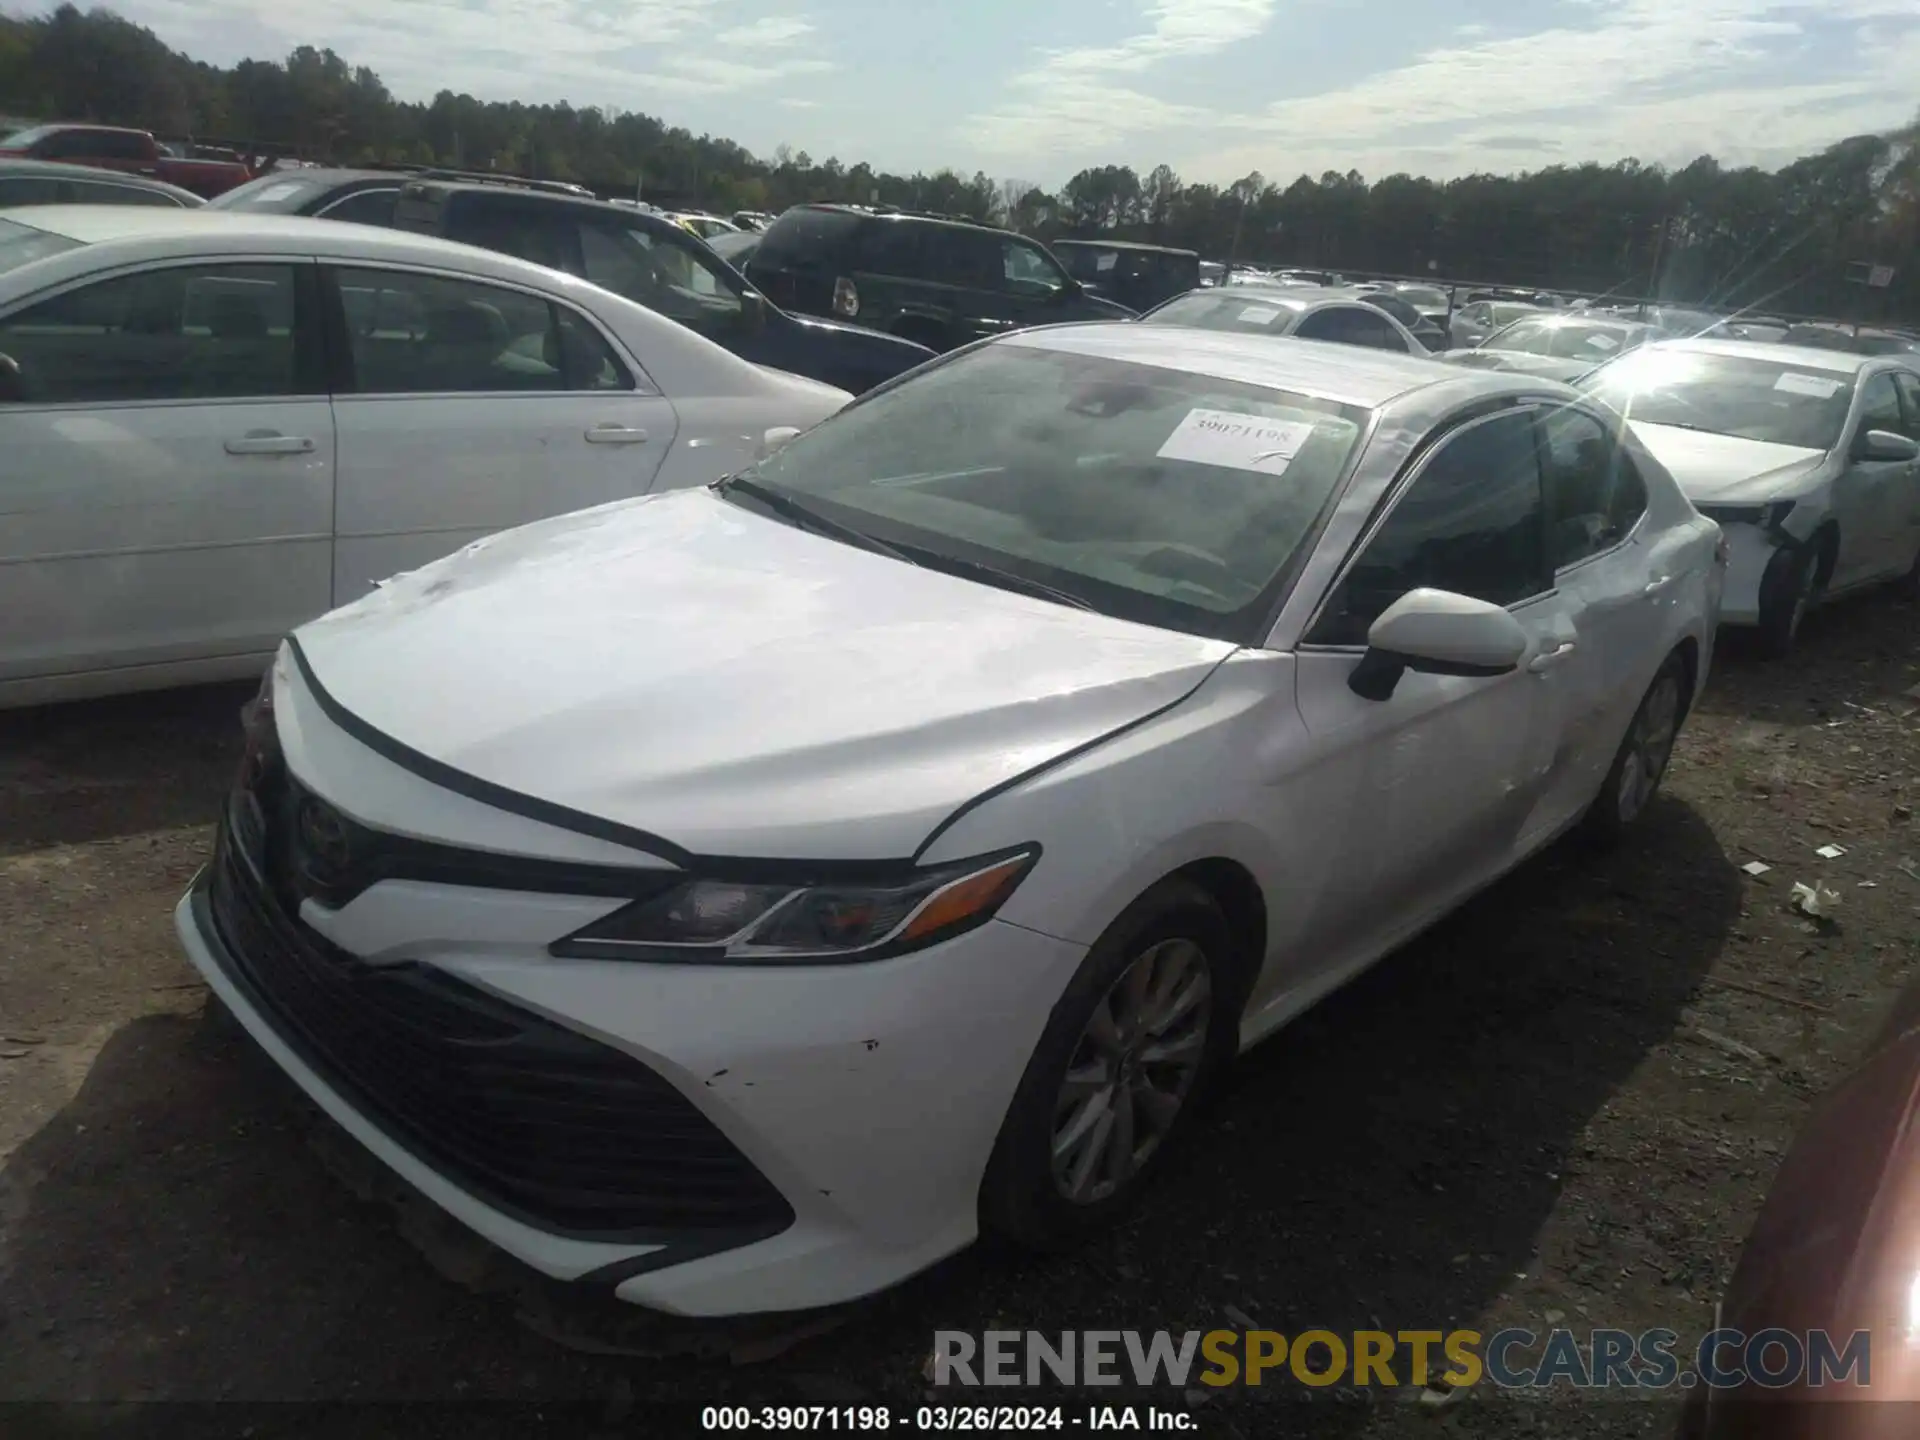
x: 542, y: 1123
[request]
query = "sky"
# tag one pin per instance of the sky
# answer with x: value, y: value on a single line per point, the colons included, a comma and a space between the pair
x: 1039, y: 89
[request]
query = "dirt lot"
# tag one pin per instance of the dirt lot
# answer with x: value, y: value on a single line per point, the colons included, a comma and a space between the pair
x: 1564, y: 1104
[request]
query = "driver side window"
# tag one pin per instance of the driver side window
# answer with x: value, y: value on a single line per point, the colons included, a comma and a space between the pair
x: 1879, y: 406
x: 1026, y: 267
x: 667, y: 277
x: 1473, y: 521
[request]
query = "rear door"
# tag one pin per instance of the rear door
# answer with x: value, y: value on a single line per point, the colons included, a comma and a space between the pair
x: 1909, y: 547
x: 1872, y: 498
x: 167, y: 481
x: 466, y: 407
x: 1615, y: 577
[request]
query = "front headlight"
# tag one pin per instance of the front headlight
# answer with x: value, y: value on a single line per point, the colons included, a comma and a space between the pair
x: 722, y: 921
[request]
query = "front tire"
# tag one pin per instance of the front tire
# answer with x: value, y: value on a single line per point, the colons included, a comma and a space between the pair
x: 1641, y: 762
x: 1784, y: 604
x: 1131, y: 1049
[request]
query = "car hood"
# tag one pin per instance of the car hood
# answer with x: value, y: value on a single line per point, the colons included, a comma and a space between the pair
x: 861, y: 337
x: 690, y: 669
x: 1726, y: 468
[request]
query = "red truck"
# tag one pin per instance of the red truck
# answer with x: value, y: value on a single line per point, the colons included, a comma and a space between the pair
x: 134, y: 151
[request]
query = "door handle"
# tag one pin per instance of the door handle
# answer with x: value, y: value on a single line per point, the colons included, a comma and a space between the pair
x: 1655, y: 586
x: 269, y: 443
x: 1540, y: 664
x: 615, y: 435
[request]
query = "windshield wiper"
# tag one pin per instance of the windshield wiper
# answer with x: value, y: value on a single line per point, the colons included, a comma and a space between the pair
x: 806, y: 517
x: 994, y: 575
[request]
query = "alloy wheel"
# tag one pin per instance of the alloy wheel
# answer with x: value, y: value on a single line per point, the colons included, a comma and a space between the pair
x: 1649, y: 746
x: 1132, y: 1071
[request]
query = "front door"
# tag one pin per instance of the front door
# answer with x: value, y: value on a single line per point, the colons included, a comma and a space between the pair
x: 470, y: 407
x: 166, y: 469
x: 1873, y: 499
x: 1424, y: 796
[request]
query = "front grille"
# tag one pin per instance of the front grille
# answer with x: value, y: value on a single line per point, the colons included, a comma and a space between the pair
x: 541, y: 1122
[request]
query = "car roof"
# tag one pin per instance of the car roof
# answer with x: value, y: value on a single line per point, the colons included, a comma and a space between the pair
x: 1807, y: 357
x: 1349, y: 374
x: 895, y: 215
x: 1140, y: 245
x: 59, y: 169
x: 144, y: 232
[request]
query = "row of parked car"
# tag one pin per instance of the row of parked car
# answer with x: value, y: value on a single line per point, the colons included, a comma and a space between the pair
x: 729, y: 843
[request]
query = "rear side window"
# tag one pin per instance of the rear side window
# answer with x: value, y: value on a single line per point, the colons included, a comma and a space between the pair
x: 1594, y: 495
x: 412, y: 334
x: 30, y: 190
x: 805, y: 240
x: 1352, y: 325
x: 971, y: 258
x: 364, y: 207
x: 895, y: 247
x: 544, y: 234
x: 1910, y: 401
x: 85, y: 192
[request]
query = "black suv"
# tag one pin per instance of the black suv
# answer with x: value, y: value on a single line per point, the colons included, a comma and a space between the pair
x: 1138, y: 276
x: 938, y: 281
x: 646, y: 258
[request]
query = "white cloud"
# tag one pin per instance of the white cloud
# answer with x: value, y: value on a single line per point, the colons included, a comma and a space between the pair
x: 1070, y: 100
x: 581, y: 51
x: 769, y: 30
x: 1650, y: 78
x: 1653, y: 80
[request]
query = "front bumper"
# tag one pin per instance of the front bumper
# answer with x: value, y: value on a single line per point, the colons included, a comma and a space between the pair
x: 1752, y: 551
x: 868, y: 1096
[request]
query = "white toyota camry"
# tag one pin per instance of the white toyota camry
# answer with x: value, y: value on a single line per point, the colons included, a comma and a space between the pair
x: 737, y: 898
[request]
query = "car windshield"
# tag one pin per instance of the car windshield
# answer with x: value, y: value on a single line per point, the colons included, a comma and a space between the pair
x: 1567, y: 341
x: 23, y: 244
x: 1217, y: 310
x: 1771, y: 400
x: 1503, y: 313
x: 1425, y: 295
x: 1157, y: 495
x: 22, y: 139
x: 270, y: 194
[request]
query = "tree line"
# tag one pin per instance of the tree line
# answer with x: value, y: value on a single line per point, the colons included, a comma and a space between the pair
x: 1798, y: 240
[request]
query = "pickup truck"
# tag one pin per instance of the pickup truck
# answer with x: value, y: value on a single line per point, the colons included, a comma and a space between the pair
x: 132, y: 151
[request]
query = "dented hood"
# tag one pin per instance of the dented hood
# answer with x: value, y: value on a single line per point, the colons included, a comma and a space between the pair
x: 732, y: 685
x: 1727, y: 469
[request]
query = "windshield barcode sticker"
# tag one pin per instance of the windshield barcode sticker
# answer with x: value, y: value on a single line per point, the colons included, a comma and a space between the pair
x: 1820, y: 387
x: 1239, y: 442
x: 1258, y: 315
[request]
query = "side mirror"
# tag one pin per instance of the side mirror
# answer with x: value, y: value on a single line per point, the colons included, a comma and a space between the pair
x: 1436, y: 632
x: 13, y: 388
x: 1885, y: 445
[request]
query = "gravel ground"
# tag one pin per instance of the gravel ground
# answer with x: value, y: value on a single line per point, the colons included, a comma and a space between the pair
x: 1562, y: 1105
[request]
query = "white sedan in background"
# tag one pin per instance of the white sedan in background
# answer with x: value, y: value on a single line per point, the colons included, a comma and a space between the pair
x: 735, y: 899
x: 215, y: 426
x: 1808, y: 459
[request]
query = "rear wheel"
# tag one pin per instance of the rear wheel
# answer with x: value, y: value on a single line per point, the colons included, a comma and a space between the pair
x: 1641, y: 761
x: 1128, y: 1054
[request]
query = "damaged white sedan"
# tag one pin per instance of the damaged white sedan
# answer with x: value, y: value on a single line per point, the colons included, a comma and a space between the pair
x: 1808, y: 459
x: 737, y: 899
